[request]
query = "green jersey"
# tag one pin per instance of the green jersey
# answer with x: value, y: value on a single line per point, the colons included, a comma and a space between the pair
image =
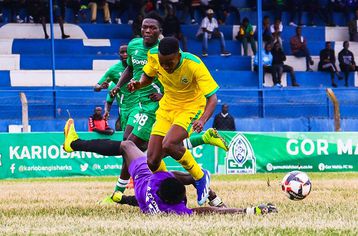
x: 125, y: 99
x: 137, y: 58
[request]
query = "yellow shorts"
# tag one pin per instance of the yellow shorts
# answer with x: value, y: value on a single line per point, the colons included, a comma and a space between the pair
x: 183, y: 118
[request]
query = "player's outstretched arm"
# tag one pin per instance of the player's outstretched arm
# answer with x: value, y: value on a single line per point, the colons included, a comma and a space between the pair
x: 107, y: 109
x: 261, y: 209
x: 125, y: 78
x: 208, y: 112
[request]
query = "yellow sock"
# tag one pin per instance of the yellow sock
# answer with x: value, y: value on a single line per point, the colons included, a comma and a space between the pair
x: 189, y: 163
x: 162, y: 167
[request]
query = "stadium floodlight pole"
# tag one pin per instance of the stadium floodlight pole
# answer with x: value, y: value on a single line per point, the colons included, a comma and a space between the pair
x: 53, y: 58
x: 259, y: 42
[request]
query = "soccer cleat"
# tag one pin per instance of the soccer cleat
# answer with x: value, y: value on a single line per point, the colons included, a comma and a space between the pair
x: 217, y: 202
x: 70, y: 135
x: 117, y: 196
x: 202, y: 188
x: 212, y: 136
x: 106, y: 201
x: 262, y: 209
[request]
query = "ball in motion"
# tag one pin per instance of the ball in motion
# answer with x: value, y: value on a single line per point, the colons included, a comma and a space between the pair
x: 296, y: 185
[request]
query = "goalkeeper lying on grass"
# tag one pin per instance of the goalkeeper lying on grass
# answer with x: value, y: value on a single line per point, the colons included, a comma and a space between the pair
x: 163, y: 192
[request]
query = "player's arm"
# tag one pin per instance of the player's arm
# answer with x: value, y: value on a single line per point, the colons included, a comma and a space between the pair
x: 149, y: 72
x: 211, y: 102
x: 107, y: 109
x: 103, y: 83
x: 208, y: 86
x: 144, y: 81
x: 125, y: 78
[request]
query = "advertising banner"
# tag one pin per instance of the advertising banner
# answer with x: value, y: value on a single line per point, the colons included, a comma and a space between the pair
x: 283, y: 152
x: 28, y: 155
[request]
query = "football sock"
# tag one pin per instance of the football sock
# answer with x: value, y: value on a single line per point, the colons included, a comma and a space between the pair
x: 195, y: 140
x: 162, y: 167
x: 129, y: 200
x: 121, y: 185
x: 189, y: 163
x: 104, y: 147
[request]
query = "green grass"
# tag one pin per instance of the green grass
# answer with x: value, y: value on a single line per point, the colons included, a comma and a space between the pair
x: 67, y: 206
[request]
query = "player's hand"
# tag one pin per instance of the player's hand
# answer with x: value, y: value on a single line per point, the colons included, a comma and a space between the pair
x: 104, y: 85
x: 133, y: 85
x: 106, y: 115
x: 198, y: 125
x: 156, y: 96
x: 114, y: 92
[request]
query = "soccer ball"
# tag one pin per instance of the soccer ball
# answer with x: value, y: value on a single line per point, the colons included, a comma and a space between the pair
x: 296, y: 185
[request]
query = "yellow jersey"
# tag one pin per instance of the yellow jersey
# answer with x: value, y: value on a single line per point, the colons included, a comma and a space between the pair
x: 187, y: 87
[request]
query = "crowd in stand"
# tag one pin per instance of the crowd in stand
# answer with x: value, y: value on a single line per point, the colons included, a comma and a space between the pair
x: 213, y: 14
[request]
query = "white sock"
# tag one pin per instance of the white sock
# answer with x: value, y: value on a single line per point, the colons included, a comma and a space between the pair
x: 187, y: 143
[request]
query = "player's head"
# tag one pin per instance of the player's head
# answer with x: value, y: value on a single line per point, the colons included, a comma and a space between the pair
x: 151, y: 28
x: 123, y: 52
x: 169, y: 55
x: 171, y: 191
x: 346, y: 44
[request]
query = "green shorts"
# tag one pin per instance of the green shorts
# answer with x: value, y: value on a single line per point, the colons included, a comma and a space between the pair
x: 128, y: 117
x: 145, y: 120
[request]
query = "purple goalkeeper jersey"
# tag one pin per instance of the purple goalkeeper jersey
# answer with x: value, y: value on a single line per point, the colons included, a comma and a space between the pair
x: 146, y: 185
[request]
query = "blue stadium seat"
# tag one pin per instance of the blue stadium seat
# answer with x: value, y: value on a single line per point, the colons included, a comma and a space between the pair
x: 235, y: 79
x: 240, y: 63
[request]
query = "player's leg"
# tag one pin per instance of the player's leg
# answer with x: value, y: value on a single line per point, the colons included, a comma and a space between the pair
x: 101, y: 146
x: 172, y: 145
x: 156, y: 154
x: 210, y: 136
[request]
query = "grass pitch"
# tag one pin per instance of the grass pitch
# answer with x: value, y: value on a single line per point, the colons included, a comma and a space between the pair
x: 67, y: 206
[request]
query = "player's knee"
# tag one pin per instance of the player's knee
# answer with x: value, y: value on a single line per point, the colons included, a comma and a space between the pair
x: 153, y: 164
x: 126, y: 145
x: 167, y: 146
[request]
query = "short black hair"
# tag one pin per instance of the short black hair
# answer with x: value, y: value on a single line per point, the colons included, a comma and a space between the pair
x: 171, y: 191
x: 155, y: 16
x: 168, y: 45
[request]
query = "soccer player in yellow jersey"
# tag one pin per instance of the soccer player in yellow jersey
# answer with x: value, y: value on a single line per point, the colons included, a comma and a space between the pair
x: 188, y: 102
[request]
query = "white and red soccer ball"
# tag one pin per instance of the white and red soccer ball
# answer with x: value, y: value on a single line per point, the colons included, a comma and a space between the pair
x: 296, y: 185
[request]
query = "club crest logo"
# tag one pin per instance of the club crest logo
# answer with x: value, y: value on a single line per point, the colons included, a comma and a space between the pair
x: 240, y: 157
x: 184, y: 80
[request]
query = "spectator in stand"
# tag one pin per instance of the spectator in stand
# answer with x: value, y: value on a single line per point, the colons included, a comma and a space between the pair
x: 148, y: 7
x: 209, y: 29
x: 278, y: 67
x: 266, y: 63
x: 266, y: 31
x: 295, y: 7
x: 98, y: 123
x: 299, y: 48
x: 353, y: 29
x: 223, y: 8
x: 346, y: 61
x: 327, y: 62
x: 39, y: 10
x: 101, y: 4
x: 246, y: 35
x: 276, y: 30
x: 77, y: 6
x: 223, y: 120
x: 171, y: 27
x: 195, y: 5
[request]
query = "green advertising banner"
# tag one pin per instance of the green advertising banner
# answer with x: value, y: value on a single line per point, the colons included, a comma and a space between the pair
x: 28, y: 155
x: 284, y: 152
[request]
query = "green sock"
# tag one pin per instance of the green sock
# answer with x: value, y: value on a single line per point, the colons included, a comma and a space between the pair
x: 196, y: 140
x: 121, y: 185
